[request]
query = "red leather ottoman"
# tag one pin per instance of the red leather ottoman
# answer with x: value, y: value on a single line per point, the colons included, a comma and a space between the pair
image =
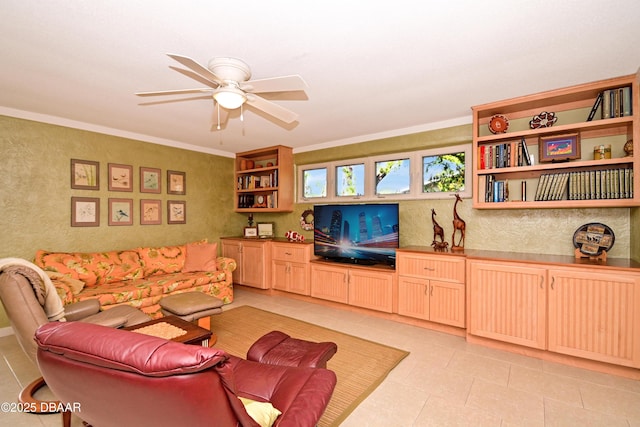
x: 278, y: 348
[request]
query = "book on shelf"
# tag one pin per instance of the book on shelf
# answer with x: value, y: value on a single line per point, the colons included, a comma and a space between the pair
x: 615, y: 102
x: 505, y: 155
x: 595, y: 107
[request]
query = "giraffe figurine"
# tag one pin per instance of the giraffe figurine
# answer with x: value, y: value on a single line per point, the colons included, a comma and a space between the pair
x: 458, y: 224
x: 437, y: 230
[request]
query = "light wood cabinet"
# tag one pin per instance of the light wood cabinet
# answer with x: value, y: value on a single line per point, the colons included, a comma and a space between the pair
x: 253, y: 259
x: 290, y: 270
x: 367, y: 287
x: 595, y: 315
x: 507, y: 302
x: 431, y: 287
x: 264, y: 180
x: 572, y: 107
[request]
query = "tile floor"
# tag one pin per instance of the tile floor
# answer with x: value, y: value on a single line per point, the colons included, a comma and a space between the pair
x: 443, y: 382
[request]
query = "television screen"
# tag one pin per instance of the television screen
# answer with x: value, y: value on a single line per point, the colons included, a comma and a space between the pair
x: 358, y: 233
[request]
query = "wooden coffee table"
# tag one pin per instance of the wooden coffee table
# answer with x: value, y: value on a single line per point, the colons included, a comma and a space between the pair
x: 194, y: 333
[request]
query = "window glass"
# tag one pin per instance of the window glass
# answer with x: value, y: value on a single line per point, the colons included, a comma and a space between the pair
x: 315, y: 183
x: 350, y: 180
x: 443, y: 173
x: 393, y: 177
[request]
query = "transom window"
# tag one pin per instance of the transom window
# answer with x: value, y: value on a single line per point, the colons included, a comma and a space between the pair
x: 433, y: 173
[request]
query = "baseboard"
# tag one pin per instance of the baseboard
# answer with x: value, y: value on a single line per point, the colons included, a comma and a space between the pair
x: 5, y: 332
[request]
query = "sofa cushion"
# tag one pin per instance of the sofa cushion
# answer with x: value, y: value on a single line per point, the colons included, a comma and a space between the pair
x: 200, y: 257
x: 162, y: 260
x: 93, y: 268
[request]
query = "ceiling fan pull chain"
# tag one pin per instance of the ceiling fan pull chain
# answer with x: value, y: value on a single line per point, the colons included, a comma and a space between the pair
x: 218, y: 108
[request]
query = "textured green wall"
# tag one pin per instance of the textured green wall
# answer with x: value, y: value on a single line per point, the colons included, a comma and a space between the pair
x: 35, y: 197
x: 35, y: 191
x: 536, y: 230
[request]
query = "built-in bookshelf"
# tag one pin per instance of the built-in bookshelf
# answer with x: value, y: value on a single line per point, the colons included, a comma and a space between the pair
x: 264, y: 180
x: 525, y: 166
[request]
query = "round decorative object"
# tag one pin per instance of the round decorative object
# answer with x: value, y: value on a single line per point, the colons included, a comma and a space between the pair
x: 543, y: 120
x: 628, y: 148
x: 261, y: 201
x: 306, y: 220
x: 498, y: 124
x: 593, y: 238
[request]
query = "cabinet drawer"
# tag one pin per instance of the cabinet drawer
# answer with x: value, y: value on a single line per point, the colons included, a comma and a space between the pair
x: 290, y: 252
x: 432, y: 267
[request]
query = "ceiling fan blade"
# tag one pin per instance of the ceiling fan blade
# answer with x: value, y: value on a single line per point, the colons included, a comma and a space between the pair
x: 275, y: 84
x: 194, y: 66
x: 195, y: 76
x: 174, y: 92
x: 271, y: 108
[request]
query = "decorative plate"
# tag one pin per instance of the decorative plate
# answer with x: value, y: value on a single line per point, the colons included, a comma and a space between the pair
x: 498, y: 124
x: 593, y: 238
x: 543, y: 120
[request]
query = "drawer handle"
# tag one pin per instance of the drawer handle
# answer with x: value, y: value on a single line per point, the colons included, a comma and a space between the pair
x: 288, y: 253
x: 430, y: 269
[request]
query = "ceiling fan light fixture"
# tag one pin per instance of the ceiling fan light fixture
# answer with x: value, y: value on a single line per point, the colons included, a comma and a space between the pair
x: 229, y: 97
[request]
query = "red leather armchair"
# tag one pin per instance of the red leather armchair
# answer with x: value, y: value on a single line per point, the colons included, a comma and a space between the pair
x: 118, y: 378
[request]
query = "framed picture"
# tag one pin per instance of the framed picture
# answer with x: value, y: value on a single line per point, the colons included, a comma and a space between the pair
x: 85, y: 174
x: 559, y: 148
x: 120, y: 177
x: 265, y: 230
x: 176, y: 212
x: 250, y: 232
x: 120, y: 211
x: 150, y: 180
x: 176, y: 182
x: 85, y: 212
x: 150, y: 212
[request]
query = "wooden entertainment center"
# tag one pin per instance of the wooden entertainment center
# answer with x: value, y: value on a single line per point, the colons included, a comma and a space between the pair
x: 519, y: 302
x: 579, y: 311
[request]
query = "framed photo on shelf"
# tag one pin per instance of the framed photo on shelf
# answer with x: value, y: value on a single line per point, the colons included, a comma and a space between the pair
x: 150, y: 212
x: 85, y: 212
x: 85, y: 174
x: 150, y: 180
x: 176, y: 182
x: 559, y: 148
x: 250, y: 232
x: 265, y: 230
x: 176, y: 212
x: 120, y: 177
x: 120, y: 211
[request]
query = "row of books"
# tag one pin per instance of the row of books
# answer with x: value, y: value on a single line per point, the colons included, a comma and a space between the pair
x: 586, y: 185
x: 508, y: 154
x: 496, y: 190
x: 251, y: 182
x: 249, y: 201
x: 612, y: 103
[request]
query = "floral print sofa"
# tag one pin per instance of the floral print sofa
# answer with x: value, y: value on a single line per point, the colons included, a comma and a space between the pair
x: 139, y: 277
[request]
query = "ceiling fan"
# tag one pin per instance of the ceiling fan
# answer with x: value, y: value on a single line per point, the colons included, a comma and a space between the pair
x: 229, y: 84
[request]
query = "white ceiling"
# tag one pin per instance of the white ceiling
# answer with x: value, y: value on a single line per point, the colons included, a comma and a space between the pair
x: 374, y: 68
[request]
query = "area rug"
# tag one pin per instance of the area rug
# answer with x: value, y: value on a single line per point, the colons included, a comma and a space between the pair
x: 360, y: 365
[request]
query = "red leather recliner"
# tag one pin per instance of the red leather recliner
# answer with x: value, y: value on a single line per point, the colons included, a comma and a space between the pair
x: 117, y: 378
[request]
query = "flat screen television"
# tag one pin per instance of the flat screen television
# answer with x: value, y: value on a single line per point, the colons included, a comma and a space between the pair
x: 357, y: 233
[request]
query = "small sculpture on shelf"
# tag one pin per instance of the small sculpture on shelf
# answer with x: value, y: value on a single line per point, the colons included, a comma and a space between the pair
x: 438, y: 231
x: 440, y: 246
x: 250, y: 220
x: 458, y: 225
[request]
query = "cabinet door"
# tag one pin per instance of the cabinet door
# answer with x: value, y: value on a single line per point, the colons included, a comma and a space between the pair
x: 299, y: 278
x: 233, y: 249
x: 280, y: 275
x: 446, y: 303
x: 371, y: 289
x: 330, y: 283
x: 595, y: 315
x: 507, y: 302
x: 254, y: 265
x: 413, y: 297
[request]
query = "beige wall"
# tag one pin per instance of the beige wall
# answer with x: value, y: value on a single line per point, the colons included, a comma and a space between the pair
x: 35, y: 197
